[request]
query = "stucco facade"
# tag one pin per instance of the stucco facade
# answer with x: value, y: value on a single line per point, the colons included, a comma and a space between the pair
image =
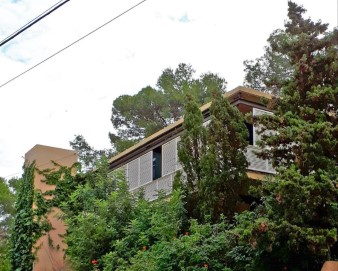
x: 50, y: 255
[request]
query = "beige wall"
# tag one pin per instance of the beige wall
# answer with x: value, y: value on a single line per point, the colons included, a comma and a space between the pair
x: 50, y: 257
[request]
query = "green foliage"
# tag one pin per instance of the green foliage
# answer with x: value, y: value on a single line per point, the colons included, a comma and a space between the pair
x: 294, y: 224
x: 95, y: 205
x: 202, y: 247
x: 7, y: 200
x: 190, y: 150
x: 306, y: 115
x: 269, y: 72
x: 107, y: 223
x: 29, y: 223
x: 151, y: 109
x: 121, y: 231
x: 295, y: 227
x: 86, y: 153
x: 4, y: 261
x: 92, y: 231
x: 213, y: 158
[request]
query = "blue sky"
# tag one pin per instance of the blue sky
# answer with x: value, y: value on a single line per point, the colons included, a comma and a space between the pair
x: 72, y: 93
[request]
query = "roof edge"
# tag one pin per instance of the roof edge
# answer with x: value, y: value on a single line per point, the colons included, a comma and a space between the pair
x: 228, y: 95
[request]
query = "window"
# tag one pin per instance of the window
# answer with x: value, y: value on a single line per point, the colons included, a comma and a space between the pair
x: 250, y: 130
x: 157, y: 163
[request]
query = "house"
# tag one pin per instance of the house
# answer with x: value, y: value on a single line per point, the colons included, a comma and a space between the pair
x: 152, y: 163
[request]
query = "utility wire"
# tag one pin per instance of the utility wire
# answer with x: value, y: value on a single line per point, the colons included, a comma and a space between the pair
x: 34, y: 21
x: 71, y: 44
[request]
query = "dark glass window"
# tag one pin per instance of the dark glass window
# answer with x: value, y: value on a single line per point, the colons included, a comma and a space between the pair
x: 250, y: 130
x: 157, y: 163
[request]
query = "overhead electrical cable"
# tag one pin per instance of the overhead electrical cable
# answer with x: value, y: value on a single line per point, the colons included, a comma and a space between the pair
x: 71, y: 44
x: 34, y: 21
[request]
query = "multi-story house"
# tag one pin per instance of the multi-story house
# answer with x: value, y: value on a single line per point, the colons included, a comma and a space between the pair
x: 152, y: 163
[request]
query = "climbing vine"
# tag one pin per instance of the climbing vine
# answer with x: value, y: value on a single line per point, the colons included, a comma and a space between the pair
x: 29, y: 223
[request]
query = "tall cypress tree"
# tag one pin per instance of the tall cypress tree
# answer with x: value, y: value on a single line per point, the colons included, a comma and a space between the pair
x: 191, y: 149
x: 213, y: 158
x: 296, y: 226
x: 306, y: 118
x: 224, y: 163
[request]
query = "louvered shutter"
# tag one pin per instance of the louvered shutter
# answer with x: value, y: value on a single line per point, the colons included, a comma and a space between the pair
x: 169, y: 157
x: 256, y: 136
x: 146, y: 168
x: 133, y: 174
x: 178, y: 164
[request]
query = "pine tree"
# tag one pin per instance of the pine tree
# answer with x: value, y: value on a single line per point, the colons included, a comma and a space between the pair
x: 269, y: 72
x: 153, y: 108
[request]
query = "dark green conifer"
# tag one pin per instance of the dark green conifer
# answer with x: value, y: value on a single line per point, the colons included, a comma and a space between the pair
x: 213, y: 158
x: 296, y: 226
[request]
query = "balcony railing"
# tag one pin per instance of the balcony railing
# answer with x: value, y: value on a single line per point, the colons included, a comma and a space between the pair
x: 256, y: 163
x: 163, y: 184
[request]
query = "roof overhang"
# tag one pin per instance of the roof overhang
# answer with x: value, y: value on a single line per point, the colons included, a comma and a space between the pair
x: 235, y: 95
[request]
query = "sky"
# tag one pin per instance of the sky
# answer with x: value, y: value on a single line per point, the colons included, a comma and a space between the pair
x: 72, y: 93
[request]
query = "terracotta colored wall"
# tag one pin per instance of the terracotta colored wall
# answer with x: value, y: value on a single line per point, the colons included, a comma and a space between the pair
x: 330, y: 266
x: 50, y: 257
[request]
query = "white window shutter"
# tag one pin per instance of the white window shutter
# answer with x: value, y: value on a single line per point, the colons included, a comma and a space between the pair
x: 169, y: 157
x: 133, y: 174
x: 256, y: 136
x: 146, y: 168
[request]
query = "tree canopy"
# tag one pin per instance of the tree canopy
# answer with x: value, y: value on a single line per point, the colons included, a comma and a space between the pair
x: 269, y: 72
x: 295, y: 227
x: 153, y: 108
x: 87, y: 154
x: 213, y: 158
x: 292, y: 224
x: 305, y: 120
x: 7, y: 201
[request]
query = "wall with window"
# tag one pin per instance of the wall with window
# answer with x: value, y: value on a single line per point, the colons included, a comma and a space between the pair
x: 155, y: 170
x: 256, y: 163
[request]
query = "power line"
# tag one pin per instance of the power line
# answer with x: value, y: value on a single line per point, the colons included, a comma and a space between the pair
x: 91, y: 32
x: 34, y: 21
x: 71, y: 44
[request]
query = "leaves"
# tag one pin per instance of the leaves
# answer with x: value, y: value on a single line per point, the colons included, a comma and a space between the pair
x: 88, y: 156
x: 7, y: 200
x: 299, y: 205
x: 269, y: 72
x: 29, y: 223
x: 151, y: 109
x: 213, y: 158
